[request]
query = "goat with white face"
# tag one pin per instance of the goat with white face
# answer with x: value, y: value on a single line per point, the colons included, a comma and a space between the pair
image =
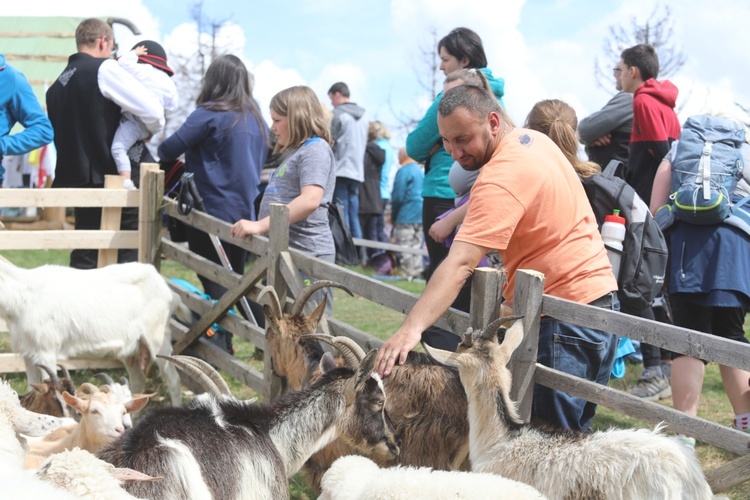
x: 614, y: 464
x: 101, y: 422
x: 220, y: 447
x: 431, y: 432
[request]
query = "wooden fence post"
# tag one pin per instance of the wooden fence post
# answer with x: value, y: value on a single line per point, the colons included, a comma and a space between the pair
x: 485, y: 297
x: 149, y: 214
x: 278, y: 241
x: 527, y: 301
x: 111, y: 217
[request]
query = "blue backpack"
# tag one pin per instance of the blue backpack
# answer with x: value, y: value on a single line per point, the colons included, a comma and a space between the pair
x: 708, y: 163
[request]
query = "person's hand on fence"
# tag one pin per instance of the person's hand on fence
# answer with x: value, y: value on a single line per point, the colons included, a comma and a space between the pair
x: 244, y: 228
x: 128, y: 184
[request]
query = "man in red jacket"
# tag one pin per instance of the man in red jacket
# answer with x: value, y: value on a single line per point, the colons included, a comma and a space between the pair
x: 655, y: 127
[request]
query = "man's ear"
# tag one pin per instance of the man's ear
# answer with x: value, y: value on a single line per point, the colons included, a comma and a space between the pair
x: 495, y: 122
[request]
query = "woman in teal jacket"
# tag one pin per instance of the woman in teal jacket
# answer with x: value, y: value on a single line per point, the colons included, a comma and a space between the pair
x: 461, y: 48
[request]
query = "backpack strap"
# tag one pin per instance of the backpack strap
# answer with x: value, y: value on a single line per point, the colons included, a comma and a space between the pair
x: 614, y: 168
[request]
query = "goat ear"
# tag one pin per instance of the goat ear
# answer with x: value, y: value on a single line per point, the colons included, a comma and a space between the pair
x: 365, y: 369
x: 327, y: 363
x: 126, y: 475
x: 318, y: 312
x: 136, y: 404
x: 79, y: 404
x: 40, y: 388
x: 446, y: 358
x: 513, y: 337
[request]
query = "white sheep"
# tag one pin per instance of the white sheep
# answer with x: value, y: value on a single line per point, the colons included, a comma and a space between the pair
x: 358, y: 478
x: 614, y: 464
x: 82, y: 474
x: 117, y: 312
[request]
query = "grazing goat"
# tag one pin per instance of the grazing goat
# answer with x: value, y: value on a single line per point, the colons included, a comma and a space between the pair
x: 82, y: 474
x: 359, y: 478
x: 101, y: 423
x: 230, y: 449
x: 119, y: 311
x: 432, y: 432
x: 625, y: 464
x: 47, y: 397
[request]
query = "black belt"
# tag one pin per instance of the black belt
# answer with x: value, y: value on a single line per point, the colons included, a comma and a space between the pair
x: 606, y: 301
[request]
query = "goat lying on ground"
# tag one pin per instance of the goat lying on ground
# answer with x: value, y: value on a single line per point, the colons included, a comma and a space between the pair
x: 426, y: 401
x: 47, y: 397
x: 82, y: 474
x: 101, y: 422
x: 359, y: 478
x: 119, y: 311
x: 220, y: 447
x: 628, y: 464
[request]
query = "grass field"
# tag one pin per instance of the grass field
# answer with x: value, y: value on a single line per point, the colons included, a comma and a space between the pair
x: 382, y: 322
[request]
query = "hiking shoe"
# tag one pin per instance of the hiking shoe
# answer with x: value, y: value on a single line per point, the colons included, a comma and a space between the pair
x: 652, y: 388
x: 687, y: 441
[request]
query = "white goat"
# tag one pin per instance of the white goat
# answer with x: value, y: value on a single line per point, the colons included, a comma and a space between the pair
x: 101, y: 422
x: 82, y: 474
x: 615, y: 464
x: 119, y: 311
x: 358, y: 478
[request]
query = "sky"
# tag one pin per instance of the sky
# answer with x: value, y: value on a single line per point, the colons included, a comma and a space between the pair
x: 542, y: 48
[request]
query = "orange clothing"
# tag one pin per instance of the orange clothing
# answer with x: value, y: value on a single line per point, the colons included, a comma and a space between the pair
x: 529, y: 204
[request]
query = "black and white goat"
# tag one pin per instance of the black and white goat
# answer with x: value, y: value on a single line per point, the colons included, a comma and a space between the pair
x: 624, y: 464
x: 221, y: 447
x: 432, y: 433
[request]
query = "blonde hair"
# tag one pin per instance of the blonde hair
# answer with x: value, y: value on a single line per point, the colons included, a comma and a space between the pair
x: 556, y: 119
x: 475, y: 78
x: 377, y: 131
x: 305, y: 116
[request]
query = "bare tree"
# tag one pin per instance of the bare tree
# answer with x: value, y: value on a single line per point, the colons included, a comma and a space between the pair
x: 426, y: 64
x: 657, y: 31
x: 190, y: 68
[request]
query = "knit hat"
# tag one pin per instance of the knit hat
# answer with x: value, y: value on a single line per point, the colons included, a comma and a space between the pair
x: 156, y: 56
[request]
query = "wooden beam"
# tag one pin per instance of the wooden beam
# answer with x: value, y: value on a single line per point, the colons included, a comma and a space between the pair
x: 388, y: 246
x: 485, y: 297
x: 150, y: 227
x: 278, y: 243
x: 729, y: 475
x: 111, y: 217
x: 13, y: 363
x: 64, y: 239
x: 222, y: 305
x: 71, y: 197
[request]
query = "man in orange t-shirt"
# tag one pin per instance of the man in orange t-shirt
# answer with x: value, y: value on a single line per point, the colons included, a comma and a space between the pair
x: 529, y: 204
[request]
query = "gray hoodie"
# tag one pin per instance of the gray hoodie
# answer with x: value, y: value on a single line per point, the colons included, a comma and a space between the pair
x: 349, y: 132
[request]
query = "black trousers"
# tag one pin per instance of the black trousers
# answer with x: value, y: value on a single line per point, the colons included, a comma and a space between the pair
x: 91, y: 218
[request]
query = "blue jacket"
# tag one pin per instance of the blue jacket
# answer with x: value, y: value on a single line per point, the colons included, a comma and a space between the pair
x: 226, y: 151
x: 406, y: 199
x: 18, y: 104
x: 385, y: 173
x: 426, y: 135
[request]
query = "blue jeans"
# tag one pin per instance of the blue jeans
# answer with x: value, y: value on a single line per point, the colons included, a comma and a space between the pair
x: 347, y: 192
x: 579, y: 351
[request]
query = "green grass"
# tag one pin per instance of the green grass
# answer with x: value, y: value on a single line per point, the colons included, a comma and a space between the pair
x: 383, y: 322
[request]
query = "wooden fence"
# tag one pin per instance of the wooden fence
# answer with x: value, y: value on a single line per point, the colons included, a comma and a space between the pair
x: 279, y: 266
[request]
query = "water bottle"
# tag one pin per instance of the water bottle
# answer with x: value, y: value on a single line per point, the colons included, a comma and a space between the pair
x: 613, y: 234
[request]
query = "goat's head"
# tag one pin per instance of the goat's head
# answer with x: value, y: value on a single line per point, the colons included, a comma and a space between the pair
x: 122, y: 391
x: 365, y: 426
x: 292, y: 357
x: 51, y: 390
x: 482, y: 356
x: 101, y: 411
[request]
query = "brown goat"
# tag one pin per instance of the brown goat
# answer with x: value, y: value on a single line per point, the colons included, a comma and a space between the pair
x: 47, y: 397
x: 426, y: 401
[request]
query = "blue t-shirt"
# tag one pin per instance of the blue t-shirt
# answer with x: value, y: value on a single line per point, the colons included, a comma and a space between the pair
x: 226, y: 151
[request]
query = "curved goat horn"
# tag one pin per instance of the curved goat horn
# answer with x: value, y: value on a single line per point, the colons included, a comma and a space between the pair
x: 52, y: 375
x: 65, y: 372
x: 209, y: 370
x: 87, y: 388
x: 274, y: 302
x: 305, y: 294
x: 352, y: 352
x: 124, y: 381
x: 199, y: 373
x: 493, y: 327
x: 105, y: 377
